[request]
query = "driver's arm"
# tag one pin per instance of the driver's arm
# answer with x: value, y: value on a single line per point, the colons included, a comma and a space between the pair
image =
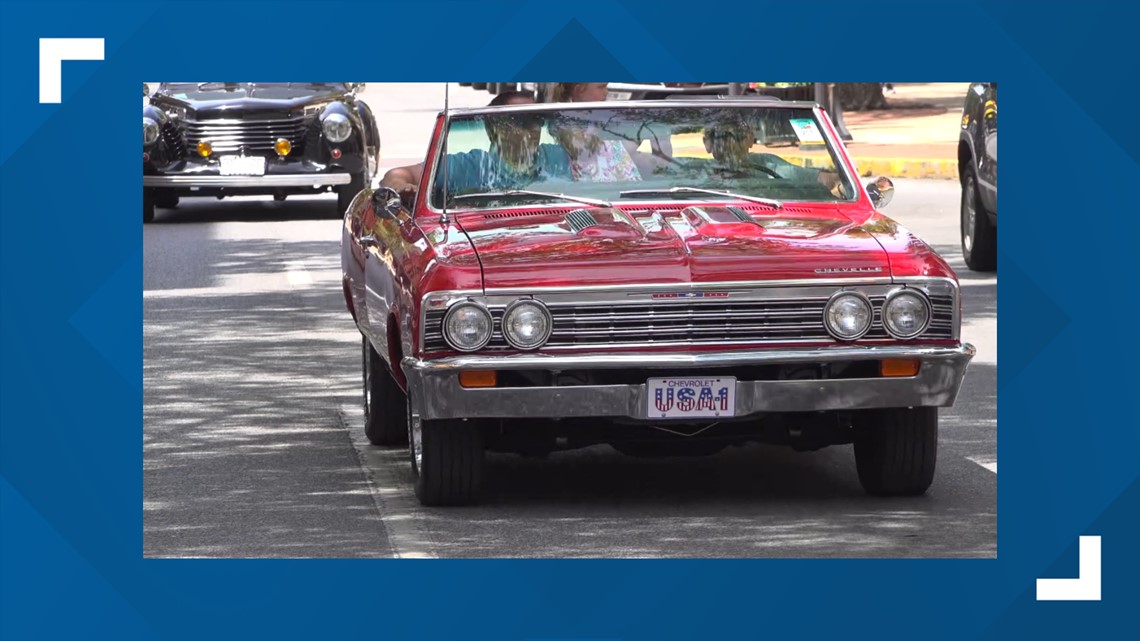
x: 404, y: 180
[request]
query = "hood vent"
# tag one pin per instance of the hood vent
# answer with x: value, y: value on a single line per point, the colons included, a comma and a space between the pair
x: 580, y: 219
x: 742, y: 215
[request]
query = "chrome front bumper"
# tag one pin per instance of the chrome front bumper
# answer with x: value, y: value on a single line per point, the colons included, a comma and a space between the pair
x: 268, y: 180
x: 436, y: 393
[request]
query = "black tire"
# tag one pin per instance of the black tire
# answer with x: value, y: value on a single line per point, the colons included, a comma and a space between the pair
x: 450, y: 471
x: 148, y: 206
x: 165, y: 199
x: 345, y: 194
x: 896, y: 450
x: 979, y: 235
x: 385, y: 404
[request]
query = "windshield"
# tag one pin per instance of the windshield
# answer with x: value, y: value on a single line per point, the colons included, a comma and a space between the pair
x: 770, y: 152
x: 203, y: 91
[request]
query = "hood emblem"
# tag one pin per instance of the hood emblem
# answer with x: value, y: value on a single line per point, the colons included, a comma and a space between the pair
x: 848, y: 270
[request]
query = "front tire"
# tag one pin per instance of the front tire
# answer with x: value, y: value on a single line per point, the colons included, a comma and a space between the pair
x: 447, y: 461
x: 896, y: 450
x: 346, y: 193
x: 148, y: 206
x: 979, y: 236
x: 385, y: 404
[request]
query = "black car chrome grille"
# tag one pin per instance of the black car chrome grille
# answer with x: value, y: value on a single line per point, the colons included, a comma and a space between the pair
x: 173, y: 139
x: 765, y: 321
x: 250, y: 136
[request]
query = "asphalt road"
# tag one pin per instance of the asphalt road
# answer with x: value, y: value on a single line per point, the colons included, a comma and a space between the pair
x: 254, y: 444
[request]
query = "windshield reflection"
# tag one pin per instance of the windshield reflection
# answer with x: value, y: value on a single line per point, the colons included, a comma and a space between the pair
x: 769, y: 152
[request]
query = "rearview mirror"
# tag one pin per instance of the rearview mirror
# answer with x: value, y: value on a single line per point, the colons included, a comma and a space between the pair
x: 881, y: 192
x: 146, y: 90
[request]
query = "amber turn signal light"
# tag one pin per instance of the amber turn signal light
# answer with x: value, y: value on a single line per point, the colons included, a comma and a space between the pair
x: 895, y: 367
x: 205, y: 148
x: 283, y: 147
x: 478, y: 378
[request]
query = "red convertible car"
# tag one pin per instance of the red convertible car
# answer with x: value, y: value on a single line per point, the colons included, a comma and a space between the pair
x: 666, y: 277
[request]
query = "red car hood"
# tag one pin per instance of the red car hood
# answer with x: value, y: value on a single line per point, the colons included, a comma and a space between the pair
x: 603, y: 246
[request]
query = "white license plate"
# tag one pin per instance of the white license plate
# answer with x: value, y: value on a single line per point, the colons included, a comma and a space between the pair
x: 695, y: 397
x: 242, y: 165
x: 618, y: 95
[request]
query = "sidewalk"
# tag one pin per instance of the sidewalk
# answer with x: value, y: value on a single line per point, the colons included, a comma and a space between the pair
x: 916, y: 138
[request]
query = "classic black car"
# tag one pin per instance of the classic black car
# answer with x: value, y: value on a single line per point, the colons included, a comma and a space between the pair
x: 977, y: 169
x: 219, y: 139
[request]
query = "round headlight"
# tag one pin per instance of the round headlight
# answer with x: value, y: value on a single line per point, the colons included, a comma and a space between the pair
x: 336, y: 128
x: 847, y: 316
x: 150, y: 131
x: 526, y: 324
x: 906, y: 314
x: 467, y: 327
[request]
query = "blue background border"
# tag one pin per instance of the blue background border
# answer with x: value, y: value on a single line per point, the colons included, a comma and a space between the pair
x: 71, y: 250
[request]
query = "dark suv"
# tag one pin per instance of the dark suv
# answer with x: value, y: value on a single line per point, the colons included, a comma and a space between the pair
x: 977, y: 169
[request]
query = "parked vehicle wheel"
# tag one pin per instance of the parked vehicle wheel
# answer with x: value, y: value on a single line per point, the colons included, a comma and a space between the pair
x: 385, y: 404
x: 896, y: 450
x: 345, y: 193
x: 148, y: 206
x: 979, y: 236
x: 447, y: 461
x: 165, y: 199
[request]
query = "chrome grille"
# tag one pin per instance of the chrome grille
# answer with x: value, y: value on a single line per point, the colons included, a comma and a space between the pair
x: 772, y: 320
x: 250, y: 136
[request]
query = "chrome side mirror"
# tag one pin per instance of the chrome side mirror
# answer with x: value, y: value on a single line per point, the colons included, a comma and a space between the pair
x: 881, y: 192
x: 388, y: 201
x: 146, y: 90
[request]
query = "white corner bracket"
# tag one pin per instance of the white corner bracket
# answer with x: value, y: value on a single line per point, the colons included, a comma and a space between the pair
x: 53, y: 51
x: 1086, y: 587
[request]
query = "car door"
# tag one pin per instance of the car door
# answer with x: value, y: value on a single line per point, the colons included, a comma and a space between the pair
x: 385, y: 245
x: 358, y: 218
x: 987, y: 155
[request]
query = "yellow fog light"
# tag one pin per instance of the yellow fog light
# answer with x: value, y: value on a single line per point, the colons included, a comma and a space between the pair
x: 283, y: 147
x: 908, y: 367
x: 478, y: 378
x: 205, y: 149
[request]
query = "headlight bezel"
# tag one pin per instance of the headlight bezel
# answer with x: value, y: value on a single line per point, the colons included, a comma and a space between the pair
x: 150, y: 124
x: 451, y: 313
x: 542, y: 308
x: 336, y: 120
x: 847, y: 293
x: 909, y: 292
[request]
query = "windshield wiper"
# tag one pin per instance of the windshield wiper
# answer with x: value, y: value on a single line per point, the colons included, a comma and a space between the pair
x: 542, y: 194
x: 698, y: 190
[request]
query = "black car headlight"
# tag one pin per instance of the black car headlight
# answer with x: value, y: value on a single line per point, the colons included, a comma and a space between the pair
x: 527, y: 324
x: 150, y: 131
x: 336, y: 127
x: 848, y: 315
x: 906, y: 314
x: 467, y: 327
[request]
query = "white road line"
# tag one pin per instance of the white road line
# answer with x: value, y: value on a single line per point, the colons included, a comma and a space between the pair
x: 388, y: 472
x: 988, y: 462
